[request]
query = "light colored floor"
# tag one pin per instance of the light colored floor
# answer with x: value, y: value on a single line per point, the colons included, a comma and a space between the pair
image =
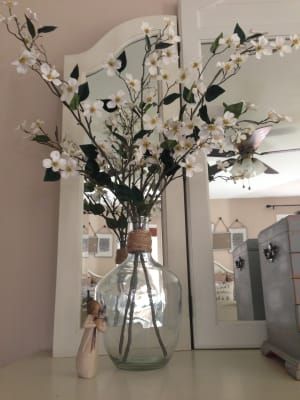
x: 205, y: 375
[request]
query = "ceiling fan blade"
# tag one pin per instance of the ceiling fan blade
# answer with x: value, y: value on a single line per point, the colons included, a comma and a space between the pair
x: 269, y: 169
x: 277, y: 151
x: 218, y: 153
x: 255, y: 140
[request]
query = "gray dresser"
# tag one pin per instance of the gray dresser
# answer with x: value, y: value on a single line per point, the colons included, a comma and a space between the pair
x: 279, y: 249
x: 248, y: 284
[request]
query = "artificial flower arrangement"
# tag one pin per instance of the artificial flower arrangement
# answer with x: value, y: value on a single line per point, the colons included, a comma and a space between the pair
x: 128, y: 166
x: 131, y: 164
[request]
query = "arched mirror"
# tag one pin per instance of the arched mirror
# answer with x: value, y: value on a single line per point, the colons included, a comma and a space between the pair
x: 87, y: 245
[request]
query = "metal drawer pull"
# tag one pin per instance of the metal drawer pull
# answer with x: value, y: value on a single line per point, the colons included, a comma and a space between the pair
x: 271, y: 252
x: 240, y: 263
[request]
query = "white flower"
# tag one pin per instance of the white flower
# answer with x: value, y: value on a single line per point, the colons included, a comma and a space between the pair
x: 173, y: 129
x: 262, y: 47
x: 26, y: 60
x: 191, y: 165
x: 171, y: 36
x: 168, y: 22
x: 213, y: 130
x: 70, y: 148
x: 93, y: 109
x: 222, y: 165
x: 133, y: 84
x: 196, y: 65
x: 144, y: 144
x: 276, y: 117
x: 169, y: 55
x: 31, y: 15
x: 150, y: 97
x: 151, y: 122
x: 183, y: 75
x: 183, y: 146
x: 249, y: 106
x: 238, y: 137
x: 238, y: 58
x: 112, y: 65
x: 281, y: 46
x: 190, y: 124
x: 295, y: 41
x: 55, y: 161
x: 50, y: 74
x: 153, y: 63
x: 247, y: 168
x: 227, y: 120
x: 36, y: 126
x: 117, y: 100
x: 164, y: 75
x: 227, y: 66
x: 232, y: 40
x: 70, y: 168
x: 10, y: 3
x: 146, y: 28
x: 69, y: 89
x: 199, y: 90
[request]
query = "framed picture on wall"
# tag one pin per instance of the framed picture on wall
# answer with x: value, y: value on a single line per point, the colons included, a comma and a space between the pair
x: 104, y: 245
x: 85, y: 246
x: 238, y: 236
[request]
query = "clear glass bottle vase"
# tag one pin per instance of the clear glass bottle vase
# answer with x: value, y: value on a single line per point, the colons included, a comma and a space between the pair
x: 143, y: 306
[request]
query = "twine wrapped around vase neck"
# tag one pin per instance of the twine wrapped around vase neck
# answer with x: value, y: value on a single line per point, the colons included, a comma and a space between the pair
x: 139, y: 240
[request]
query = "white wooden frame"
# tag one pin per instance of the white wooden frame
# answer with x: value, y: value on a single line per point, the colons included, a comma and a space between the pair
x: 67, y: 331
x: 201, y: 21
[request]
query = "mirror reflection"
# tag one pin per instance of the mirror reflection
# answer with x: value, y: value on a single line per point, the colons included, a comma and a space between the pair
x: 100, y: 242
x: 260, y: 194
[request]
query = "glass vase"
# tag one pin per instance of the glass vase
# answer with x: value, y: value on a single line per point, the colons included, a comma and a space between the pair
x: 143, y: 306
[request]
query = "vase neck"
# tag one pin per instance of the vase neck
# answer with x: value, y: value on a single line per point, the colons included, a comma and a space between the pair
x: 139, y: 237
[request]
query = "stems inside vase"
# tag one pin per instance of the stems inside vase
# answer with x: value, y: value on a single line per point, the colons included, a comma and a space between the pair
x: 129, y: 308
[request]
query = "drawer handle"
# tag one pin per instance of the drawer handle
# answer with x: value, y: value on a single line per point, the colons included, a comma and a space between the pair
x: 271, y: 252
x: 240, y: 263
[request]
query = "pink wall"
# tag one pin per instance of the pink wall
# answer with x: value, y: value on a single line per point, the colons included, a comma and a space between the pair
x: 29, y: 207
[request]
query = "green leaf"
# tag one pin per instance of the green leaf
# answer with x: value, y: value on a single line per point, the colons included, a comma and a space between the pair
x: 105, y: 108
x: 241, y: 34
x: 97, y: 209
x: 214, y: 46
x: 47, y: 29
x: 235, y: 109
x: 75, y: 72
x: 188, y: 95
x: 89, y: 187
x: 122, y: 222
x: 137, y: 195
x: 41, y: 138
x: 168, y: 144
x: 163, y: 45
x: 148, y: 43
x: 122, y: 57
x: 111, y: 223
x: 121, y: 138
x: 74, y: 102
x: 123, y: 192
x: 51, y: 176
x: 102, y: 179
x: 170, y: 165
x: 203, y: 114
x: 83, y: 91
x: 213, y: 92
x: 91, y: 168
x: 89, y: 150
x: 30, y: 27
x: 141, y: 134
x: 171, y: 98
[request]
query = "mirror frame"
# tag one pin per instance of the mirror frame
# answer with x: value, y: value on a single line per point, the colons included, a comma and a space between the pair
x: 201, y: 21
x: 67, y: 331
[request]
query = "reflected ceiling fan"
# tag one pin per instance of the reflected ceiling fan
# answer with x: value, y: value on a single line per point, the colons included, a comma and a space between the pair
x: 243, y: 163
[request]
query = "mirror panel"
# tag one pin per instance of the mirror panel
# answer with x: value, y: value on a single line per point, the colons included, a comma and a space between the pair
x: 238, y: 211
